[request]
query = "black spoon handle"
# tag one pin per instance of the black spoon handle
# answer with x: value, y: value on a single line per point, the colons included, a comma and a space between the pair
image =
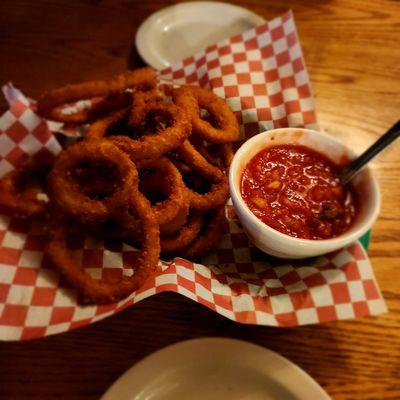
x: 392, y: 134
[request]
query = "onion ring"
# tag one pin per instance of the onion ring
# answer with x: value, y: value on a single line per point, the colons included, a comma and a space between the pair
x: 211, y: 236
x: 102, y: 291
x: 69, y: 197
x: 17, y: 196
x: 193, y: 99
x: 170, y: 213
x: 194, y: 159
x: 149, y: 146
x: 216, y: 196
x: 96, y: 110
x: 186, y: 235
x: 50, y: 103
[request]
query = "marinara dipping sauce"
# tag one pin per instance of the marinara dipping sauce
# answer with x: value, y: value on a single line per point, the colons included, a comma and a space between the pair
x: 297, y: 191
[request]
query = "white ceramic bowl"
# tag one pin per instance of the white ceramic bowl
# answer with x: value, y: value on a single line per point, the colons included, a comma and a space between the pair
x: 278, y: 244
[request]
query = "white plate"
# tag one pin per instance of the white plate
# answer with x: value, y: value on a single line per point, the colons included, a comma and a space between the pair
x: 181, y: 30
x: 215, y: 369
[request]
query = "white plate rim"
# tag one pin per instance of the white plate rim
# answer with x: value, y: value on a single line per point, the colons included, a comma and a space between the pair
x: 145, y: 27
x: 270, y: 362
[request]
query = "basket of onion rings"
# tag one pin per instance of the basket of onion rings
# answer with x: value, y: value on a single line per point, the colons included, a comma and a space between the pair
x: 115, y: 190
x: 150, y: 170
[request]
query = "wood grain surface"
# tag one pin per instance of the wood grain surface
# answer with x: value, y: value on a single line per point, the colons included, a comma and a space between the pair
x: 352, y: 51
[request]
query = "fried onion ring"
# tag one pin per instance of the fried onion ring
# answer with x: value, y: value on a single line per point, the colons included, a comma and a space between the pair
x: 170, y: 213
x: 194, y: 159
x: 209, y: 238
x: 150, y: 146
x: 69, y: 197
x: 193, y: 99
x: 18, y: 195
x: 102, y: 291
x: 50, y: 104
x: 216, y: 195
x: 96, y: 110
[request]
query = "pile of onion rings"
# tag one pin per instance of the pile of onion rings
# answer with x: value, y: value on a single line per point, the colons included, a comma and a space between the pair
x: 150, y: 170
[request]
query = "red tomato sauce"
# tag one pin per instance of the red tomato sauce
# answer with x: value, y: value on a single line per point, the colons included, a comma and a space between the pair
x: 297, y: 191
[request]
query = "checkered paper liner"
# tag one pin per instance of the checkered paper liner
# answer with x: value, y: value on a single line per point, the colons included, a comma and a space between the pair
x: 261, y: 73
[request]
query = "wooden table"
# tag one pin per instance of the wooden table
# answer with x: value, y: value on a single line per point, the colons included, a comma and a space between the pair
x: 352, y: 53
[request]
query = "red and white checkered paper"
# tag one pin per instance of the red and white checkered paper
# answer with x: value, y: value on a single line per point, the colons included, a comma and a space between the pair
x: 262, y: 75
